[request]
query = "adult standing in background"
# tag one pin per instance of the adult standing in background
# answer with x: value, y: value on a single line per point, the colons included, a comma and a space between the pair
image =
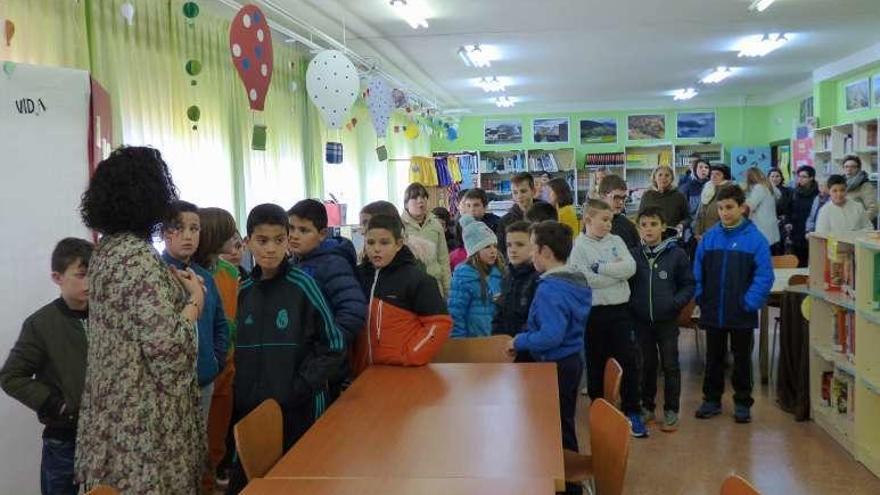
x: 859, y: 186
x: 693, y: 187
x: 140, y: 426
x: 784, y: 196
x: 801, y: 204
x: 707, y: 216
x: 419, y: 222
x: 761, y: 200
x: 665, y: 196
x: 560, y: 197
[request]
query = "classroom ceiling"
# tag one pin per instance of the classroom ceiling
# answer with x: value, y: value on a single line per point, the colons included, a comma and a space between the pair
x: 594, y: 54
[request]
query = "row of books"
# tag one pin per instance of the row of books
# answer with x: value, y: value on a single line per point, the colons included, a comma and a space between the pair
x: 512, y: 163
x: 594, y: 160
x: 844, y: 333
x: 683, y: 158
x: 823, y: 141
x: 838, y: 393
x: 840, y: 269
x: 543, y: 163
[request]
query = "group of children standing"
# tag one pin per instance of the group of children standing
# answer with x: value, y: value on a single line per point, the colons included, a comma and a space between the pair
x: 314, y: 314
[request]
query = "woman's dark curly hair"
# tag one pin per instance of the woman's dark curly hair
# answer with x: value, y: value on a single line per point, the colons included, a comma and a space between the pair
x: 131, y: 191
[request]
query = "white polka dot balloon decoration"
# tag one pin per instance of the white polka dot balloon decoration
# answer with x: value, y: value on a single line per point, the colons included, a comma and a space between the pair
x: 250, y: 42
x: 380, y: 104
x: 333, y: 85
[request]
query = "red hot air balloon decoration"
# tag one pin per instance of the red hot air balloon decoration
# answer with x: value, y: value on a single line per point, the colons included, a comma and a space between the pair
x: 250, y: 41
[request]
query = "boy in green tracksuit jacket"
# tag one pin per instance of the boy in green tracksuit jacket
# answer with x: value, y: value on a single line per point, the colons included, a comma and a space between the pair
x: 288, y: 347
x: 46, y: 369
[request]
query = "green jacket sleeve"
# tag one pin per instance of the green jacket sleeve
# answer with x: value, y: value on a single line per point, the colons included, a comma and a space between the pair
x: 25, y: 360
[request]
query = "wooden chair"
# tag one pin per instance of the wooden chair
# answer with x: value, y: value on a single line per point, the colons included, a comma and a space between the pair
x: 609, y: 451
x: 686, y: 320
x: 792, y: 281
x: 475, y: 350
x: 785, y: 261
x: 259, y: 439
x: 735, y: 485
x: 611, y: 384
x: 103, y: 490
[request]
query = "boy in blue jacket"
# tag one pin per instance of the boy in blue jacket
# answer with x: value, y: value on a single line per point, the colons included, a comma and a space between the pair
x: 734, y: 275
x: 557, y: 318
x: 332, y: 262
x: 662, y: 286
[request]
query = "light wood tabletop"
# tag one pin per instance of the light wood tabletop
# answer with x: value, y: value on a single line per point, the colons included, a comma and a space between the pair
x: 480, y: 421
x: 398, y: 486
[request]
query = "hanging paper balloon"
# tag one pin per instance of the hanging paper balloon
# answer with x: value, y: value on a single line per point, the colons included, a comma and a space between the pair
x: 250, y: 41
x: 191, y: 10
x: 127, y: 11
x: 451, y: 134
x: 396, y: 129
x: 399, y: 98
x: 380, y: 103
x: 193, y: 67
x: 8, y: 31
x: 412, y: 132
x: 194, y: 113
x: 293, y: 86
x: 8, y: 68
x: 333, y: 85
x: 354, y: 122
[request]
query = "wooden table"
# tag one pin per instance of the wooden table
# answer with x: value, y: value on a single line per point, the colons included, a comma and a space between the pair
x: 780, y: 283
x: 480, y: 421
x: 397, y: 486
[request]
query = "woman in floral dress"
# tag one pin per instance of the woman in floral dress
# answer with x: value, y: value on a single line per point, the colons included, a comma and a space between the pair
x: 140, y: 429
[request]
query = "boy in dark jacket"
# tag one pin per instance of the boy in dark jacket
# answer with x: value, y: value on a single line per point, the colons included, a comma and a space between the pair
x: 614, y: 192
x: 734, y: 275
x: 288, y: 346
x: 662, y: 286
x: 46, y: 368
x: 332, y: 262
x: 474, y: 203
x: 518, y: 287
x: 557, y: 318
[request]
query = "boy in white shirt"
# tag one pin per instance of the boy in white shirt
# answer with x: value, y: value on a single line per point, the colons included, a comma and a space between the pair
x: 608, y: 265
x: 840, y: 214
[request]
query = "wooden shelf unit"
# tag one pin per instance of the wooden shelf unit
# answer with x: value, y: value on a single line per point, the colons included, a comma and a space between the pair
x: 712, y: 153
x: 833, y: 144
x: 858, y: 429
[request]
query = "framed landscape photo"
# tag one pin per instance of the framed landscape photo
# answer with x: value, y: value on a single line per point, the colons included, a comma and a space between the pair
x: 646, y: 127
x: 502, y: 131
x: 858, y: 95
x: 550, y: 130
x: 599, y: 130
x: 695, y: 125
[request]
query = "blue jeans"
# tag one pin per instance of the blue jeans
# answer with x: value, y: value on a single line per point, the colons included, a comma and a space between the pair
x: 56, y: 469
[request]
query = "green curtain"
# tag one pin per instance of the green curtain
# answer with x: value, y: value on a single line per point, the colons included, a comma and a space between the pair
x: 143, y: 68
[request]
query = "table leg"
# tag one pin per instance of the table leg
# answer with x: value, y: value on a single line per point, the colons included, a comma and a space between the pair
x: 763, y: 343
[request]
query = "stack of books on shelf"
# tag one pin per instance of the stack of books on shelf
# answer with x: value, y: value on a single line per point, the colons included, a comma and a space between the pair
x: 543, y: 163
x: 823, y: 141
x: 838, y: 393
x: 495, y: 185
x: 595, y: 160
x: 683, y: 157
x: 844, y: 333
x: 506, y: 164
x: 840, y: 269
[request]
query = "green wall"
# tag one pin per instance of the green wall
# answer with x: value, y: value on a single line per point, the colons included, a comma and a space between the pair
x: 838, y: 96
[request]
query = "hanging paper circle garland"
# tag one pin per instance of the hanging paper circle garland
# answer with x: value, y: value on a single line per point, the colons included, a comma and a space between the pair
x: 191, y: 10
x: 333, y: 85
x: 412, y: 132
x: 8, y: 31
x: 250, y: 41
x: 8, y: 68
x: 451, y: 133
x: 399, y: 98
x: 380, y: 104
x: 193, y: 67
x: 127, y: 11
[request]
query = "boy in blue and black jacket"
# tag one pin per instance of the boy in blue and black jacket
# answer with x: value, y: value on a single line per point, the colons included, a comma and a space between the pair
x: 662, y: 285
x: 734, y: 275
x: 288, y: 347
x: 557, y: 318
x: 517, y: 288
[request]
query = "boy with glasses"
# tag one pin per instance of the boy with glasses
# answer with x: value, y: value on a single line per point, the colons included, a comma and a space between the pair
x: 613, y: 191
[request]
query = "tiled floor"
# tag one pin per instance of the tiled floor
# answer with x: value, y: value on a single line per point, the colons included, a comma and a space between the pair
x: 778, y: 455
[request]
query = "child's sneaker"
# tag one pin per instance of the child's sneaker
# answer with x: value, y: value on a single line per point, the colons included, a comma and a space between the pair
x: 742, y: 414
x: 670, y: 421
x: 648, y: 415
x: 637, y: 426
x: 708, y: 410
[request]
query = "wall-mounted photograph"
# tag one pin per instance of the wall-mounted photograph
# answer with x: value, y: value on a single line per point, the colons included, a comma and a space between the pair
x: 644, y: 127
x: 550, y: 130
x: 696, y: 125
x: 858, y: 95
x: 599, y: 130
x: 503, y: 131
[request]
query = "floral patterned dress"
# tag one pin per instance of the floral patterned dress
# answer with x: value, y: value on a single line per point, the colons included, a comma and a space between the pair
x: 140, y: 426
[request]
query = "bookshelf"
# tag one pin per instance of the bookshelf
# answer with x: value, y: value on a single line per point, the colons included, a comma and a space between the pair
x: 614, y: 163
x: 844, y: 339
x: 496, y: 170
x: 558, y: 163
x: 641, y: 162
x: 712, y: 153
x: 859, y: 138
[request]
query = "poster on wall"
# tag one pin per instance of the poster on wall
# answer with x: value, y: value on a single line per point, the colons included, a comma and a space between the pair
x: 503, y: 131
x: 696, y: 125
x: 858, y: 95
x: 599, y: 130
x: 646, y: 127
x: 875, y: 88
x: 803, y: 145
x: 746, y: 158
x: 550, y: 130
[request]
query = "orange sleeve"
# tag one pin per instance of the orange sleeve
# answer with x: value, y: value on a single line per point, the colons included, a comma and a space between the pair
x: 426, y: 340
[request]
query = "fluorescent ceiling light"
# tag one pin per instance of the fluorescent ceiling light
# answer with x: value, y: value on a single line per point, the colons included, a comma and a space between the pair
x: 477, y: 55
x: 491, y: 84
x: 504, y: 102
x: 716, y: 76
x: 761, y: 5
x: 684, y: 94
x: 414, y: 15
x: 758, y: 46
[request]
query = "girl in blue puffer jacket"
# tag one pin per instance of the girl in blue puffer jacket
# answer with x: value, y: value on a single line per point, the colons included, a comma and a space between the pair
x: 476, y: 284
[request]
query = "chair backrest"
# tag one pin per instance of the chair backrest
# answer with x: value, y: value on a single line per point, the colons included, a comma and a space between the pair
x: 735, y: 485
x: 798, y: 280
x: 103, y: 490
x: 259, y: 439
x: 609, y: 446
x: 785, y: 261
x: 686, y: 315
x: 611, y: 384
x: 475, y: 350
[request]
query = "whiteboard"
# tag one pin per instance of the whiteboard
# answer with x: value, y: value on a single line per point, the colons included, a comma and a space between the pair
x: 44, y: 115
